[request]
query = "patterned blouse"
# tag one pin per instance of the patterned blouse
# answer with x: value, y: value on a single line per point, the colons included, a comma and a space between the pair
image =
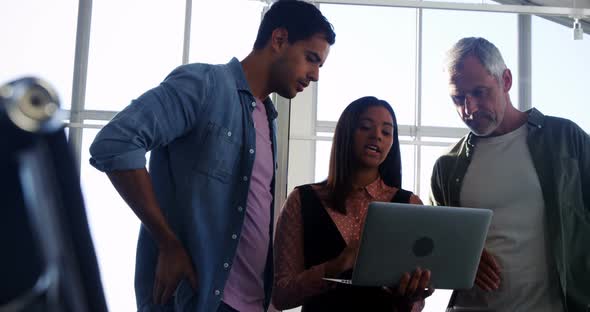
x: 292, y: 282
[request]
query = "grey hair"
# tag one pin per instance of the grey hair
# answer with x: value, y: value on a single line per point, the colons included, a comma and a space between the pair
x: 486, y: 52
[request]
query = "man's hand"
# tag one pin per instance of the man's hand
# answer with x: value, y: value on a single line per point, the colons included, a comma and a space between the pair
x: 174, y: 264
x: 488, y: 272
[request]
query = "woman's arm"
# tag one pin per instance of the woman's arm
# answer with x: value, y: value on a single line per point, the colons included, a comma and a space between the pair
x: 292, y: 282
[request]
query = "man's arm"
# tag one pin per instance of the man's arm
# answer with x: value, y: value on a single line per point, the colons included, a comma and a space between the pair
x: 584, y: 163
x: 135, y: 186
x: 154, y: 120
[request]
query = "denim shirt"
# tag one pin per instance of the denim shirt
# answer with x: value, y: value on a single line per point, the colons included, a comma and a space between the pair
x: 198, y: 126
x: 560, y: 151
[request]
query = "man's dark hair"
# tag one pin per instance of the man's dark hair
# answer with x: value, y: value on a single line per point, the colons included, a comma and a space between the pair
x: 301, y: 19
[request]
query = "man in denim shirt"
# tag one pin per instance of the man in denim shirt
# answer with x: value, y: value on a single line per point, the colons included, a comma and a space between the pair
x: 206, y: 203
x: 533, y: 171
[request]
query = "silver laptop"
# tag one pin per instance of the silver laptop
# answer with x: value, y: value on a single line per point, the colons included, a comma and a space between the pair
x: 397, y: 238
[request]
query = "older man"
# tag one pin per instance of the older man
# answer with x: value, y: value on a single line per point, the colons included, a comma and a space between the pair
x: 533, y: 171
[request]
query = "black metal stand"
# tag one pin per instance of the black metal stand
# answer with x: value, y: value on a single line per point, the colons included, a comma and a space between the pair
x: 48, y: 261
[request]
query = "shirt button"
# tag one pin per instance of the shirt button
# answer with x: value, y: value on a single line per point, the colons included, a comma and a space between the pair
x: 457, y: 180
x: 253, y: 104
x: 229, y: 133
x: 251, y: 151
x: 240, y: 208
x: 226, y: 265
x: 217, y: 292
x: 234, y: 236
x: 245, y: 178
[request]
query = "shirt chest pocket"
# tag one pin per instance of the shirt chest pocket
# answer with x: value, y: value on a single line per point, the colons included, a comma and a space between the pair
x: 218, y: 153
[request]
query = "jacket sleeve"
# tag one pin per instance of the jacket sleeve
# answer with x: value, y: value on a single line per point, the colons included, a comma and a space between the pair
x: 583, y: 153
x: 157, y: 117
x: 435, y: 196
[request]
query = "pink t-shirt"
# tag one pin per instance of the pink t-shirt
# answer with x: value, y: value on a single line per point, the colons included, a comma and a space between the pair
x: 244, y: 289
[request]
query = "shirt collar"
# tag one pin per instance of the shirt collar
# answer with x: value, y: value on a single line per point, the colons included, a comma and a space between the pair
x: 535, y: 118
x: 235, y: 67
x: 375, y: 188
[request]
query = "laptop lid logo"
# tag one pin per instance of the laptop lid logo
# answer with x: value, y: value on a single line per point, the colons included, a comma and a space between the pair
x: 423, y: 247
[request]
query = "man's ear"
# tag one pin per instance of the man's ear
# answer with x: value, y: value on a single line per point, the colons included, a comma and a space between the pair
x: 506, y: 80
x: 279, y: 39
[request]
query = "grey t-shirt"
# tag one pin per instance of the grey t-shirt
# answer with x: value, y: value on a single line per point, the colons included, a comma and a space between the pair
x: 502, y: 177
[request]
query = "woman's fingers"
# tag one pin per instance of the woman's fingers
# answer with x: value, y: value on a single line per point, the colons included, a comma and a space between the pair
x: 403, y: 284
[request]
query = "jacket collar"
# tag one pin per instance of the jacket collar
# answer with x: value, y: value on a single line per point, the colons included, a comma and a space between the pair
x: 235, y: 67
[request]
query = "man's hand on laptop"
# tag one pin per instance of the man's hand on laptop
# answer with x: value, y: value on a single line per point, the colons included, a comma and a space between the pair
x: 488, y: 272
x: 344, y: 262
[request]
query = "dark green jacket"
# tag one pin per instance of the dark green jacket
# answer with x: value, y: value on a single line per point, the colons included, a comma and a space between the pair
x: 560, y: 150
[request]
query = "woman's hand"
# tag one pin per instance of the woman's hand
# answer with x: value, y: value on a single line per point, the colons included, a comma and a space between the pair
x: 411, y: 289
x: 344, y: 262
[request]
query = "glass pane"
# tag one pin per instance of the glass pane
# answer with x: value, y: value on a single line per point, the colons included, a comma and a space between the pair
x: 445, y: 141
x: 441, y: 30
x: 408, y: 163
x: 114, y: 230
x: 223, y: 29
x: 374, y: 55
x: 429, y: 155
x: 133, y: 46
x: 39, y: 39
x: 560, y: 69
x: 322, y: 159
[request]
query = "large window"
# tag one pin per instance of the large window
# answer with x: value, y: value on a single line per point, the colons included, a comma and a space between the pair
x: 38, y: 39
x: 223, y: 29
x: 560, y: 66
x: 395, y: 54
x: 441, y: 29
x: 374, y: 54
x: 133, y: 46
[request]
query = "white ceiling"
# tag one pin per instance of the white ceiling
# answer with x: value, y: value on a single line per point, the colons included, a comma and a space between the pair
x: 578, y: 4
